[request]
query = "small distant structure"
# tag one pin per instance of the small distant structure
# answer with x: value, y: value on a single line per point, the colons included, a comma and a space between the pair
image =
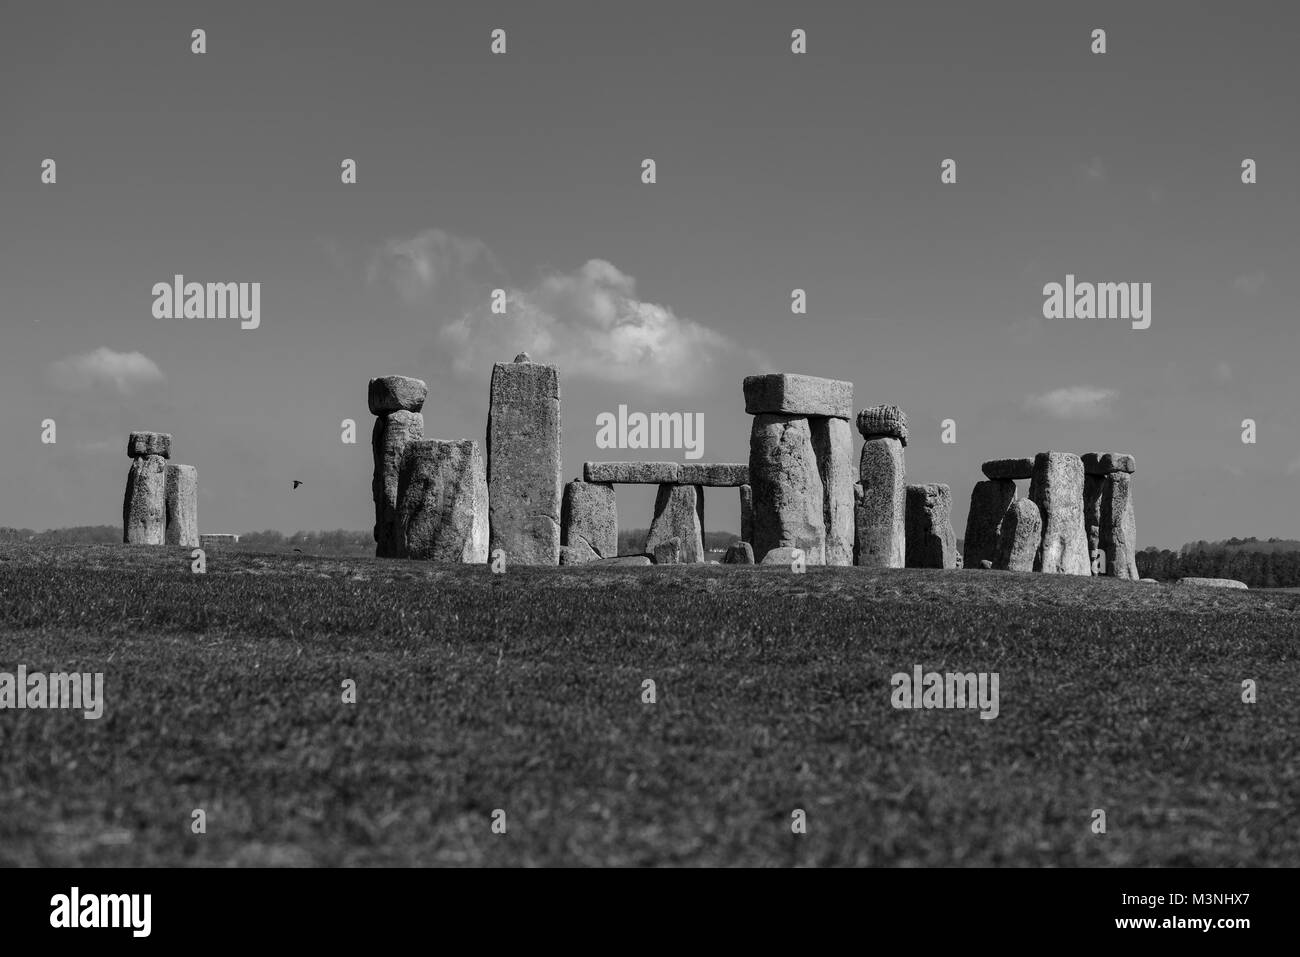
x: 221, y: 538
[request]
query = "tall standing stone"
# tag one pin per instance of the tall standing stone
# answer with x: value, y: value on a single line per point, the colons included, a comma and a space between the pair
x: 989, y: 501
x: 523, y: 445
x: 1092, y: 489
x: 144, y: 508
x: 930, y: 539
x: 832, y: 441
x: 442, y: 502
x: 1057, y: 489
x: 880, y: 513
x: 392, y: 433
x: 1118, y: 526
x: 590, y: 515
x: 787, y: 486
x: 182, y: 506
x: 679, y: 514
x: 1019, y: 537
x: 747, y: 513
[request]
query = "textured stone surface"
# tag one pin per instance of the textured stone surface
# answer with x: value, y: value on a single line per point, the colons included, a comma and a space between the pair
x: 883, y: 422
x: 632, y: 473
x: 787, y: 487
x: 388, y: 441
x: 832, y: 442
x: 1149, y: 581
x: 624, y: 560
x: 442, y: 502
x: 579, y: 554
x: 786, y: 394
x: 144, y: 507
x: 182, y: 505
x: 396, y: 393
x: 986, y: 563
x: 1104, y: 463
x: 679, y: 513
x: 1092, y: 485
x: 746, y: 513
x: 1057, y: 490
x: 1118, y: 526
x: 1008, y: 468
x: 668, y: 552
x: 989, y: 501
x: 881, y: 508
x: 1019, y: 537
x: 524, y: 479
x: 1212, y: 582
x: 590, y: 515
x: 141, y: 444
x: 715, y: 475
x: 783, y: 555
x: 930, y: 539
x: 739, y: 553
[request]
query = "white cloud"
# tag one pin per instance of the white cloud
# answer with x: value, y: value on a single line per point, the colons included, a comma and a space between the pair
x: 1075, y: 402
x: 122, y: 371
x: 424, y: 262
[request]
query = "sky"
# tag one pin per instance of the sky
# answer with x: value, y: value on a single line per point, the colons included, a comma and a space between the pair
x: 523, y: 171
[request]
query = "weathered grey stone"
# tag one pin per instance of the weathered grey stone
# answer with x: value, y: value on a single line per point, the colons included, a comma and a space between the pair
x: 1019, y: 537
x: 1104, y: 463
x: 679, y: 513
x: 985, y: 564
x: 1118, y: 540
x: 781, y: 393
x: 1213, y: 582
x: 1149, y: 581
x: 590, y: 515
x: 182, y: 506
x: 668, y: 552
x: 388, y: 441
x: 739, y: 553
x: 784, y: 555
x: 832, y: 442
x: 989, y: 501
x: 787, y: 487
x: 746, y: 513
x: 524, y: 462
x: 624, y: 560
x: 442, y: 502
x: 1057, y: 490
x: 881, y: 508
x: 714, y: 475
x: 1008, y: 469
x: 930, y: 539
x: 1092, y: 485
x: 141, y: 444
x: 883, y: 422
x: 396, y: 393
x: 144, y: 507
x: 633, y: 473
x: 578, y: 554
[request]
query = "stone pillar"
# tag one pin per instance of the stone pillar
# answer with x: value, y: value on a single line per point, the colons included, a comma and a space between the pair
x: 144, y: 507
x: 881, y: 509
x: 442, y: 502
x: 747, y: 514
x: 1019, y: 537
x: 182, y: 498
x: 1092, y: 489
x: 589, y: 520
x: 523, y: 447
x: 679, y: 514
x: 1057, y: 490
x: 989, y: 501
x: 832, y: 442
x: 930, y: 539
x: 396, y: 402
x: 787, y: 487
x: 1117, y: 528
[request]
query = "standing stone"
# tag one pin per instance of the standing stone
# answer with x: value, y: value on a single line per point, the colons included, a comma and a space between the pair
x: 144, y: 508
x: 1019, y: 537
x: 679, y: 513
x: 590, y: 515
x: 668, y: 552
x: 832, y: 442
x: 930, y: 539
x: 788, y: 509
x: 1092, y: 489
x: 883, y: 422
x: 1057, y: 489
x: 396, y: 393
x: 182, y: 498
x: 880, y: 511
x: 579, y: 554
x: 747, y: 513
x: 739, y: 553
x: 1118, y: 527
x: 393, y: 431
x: 141, y: 444
x: 442, y: 502
x: 989, y: 501
x: 523, y: 445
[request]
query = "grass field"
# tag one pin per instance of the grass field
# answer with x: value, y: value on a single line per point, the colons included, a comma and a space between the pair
x: 523, y: 692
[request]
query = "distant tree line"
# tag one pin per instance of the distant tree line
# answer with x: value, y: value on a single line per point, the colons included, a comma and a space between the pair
x: 1258, y: 567
x: 631, y: 541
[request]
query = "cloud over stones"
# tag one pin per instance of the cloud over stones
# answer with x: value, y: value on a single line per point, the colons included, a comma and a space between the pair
x: 123, y: 372
x: 1074, y: 402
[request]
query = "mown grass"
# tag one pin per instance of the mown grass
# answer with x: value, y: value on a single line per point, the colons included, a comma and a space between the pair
x: 523, y: 692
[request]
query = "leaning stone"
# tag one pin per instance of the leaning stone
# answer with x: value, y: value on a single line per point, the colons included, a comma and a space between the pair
x: 930, y: 539
x: 883, y: 422
x: 1104, y: 463
x: 787, y: 487
x: 746, y: 513
x: 396, y: 393
x: 144, y: 508
x: 632, y: 473
x: 1019, y: 537
x: 714, y: 475
x: 679, y: 513
x: 524, y: 462
x: 989, y: 501
x: 182, y: 498
x: 141, y: 444
x: 832, y: 442
x: 781, y: 556
x: 442, y: 502
x: 785, y: 394
x: 579, y: 554
x: 589, y: 516
x: 624, y: 560
x: 1057, y: 490
x: 739, y: 553
x: 388, y: 441
x: 1008, y: 469
x: 880, y: 509
x: 1118, y: 539
x: 668, y: 552
x: 1213, y: 582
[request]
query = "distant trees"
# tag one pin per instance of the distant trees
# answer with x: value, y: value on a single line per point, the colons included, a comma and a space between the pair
x: 1257, y: 567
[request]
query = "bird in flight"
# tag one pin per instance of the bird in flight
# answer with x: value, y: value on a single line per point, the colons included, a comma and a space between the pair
x: 296, y: 483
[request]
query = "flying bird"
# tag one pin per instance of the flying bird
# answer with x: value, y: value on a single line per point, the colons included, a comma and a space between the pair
x: 296, y: 483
